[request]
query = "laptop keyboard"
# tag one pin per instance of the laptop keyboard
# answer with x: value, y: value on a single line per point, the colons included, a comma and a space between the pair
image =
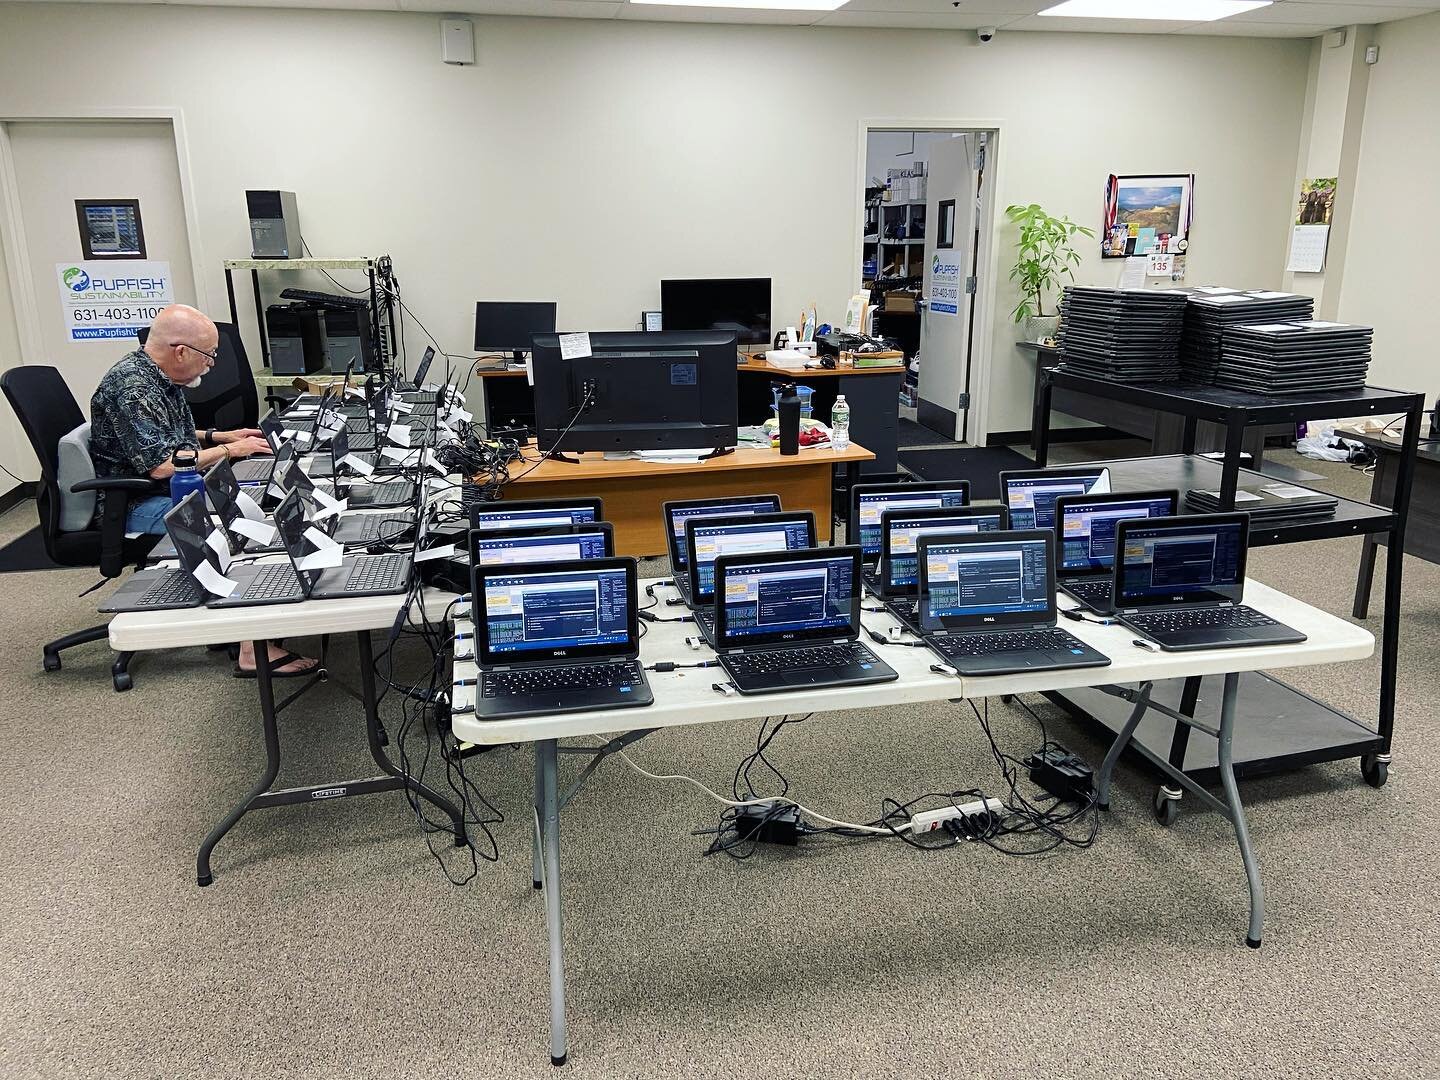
x: 395, y: 491
x: 1097, y: 590
x: 818, y: 656
x: 253, y: 470
x: 375, y: 572
x: 990, y: 642
x: 376, y: 527
x: 273, y: 582
x: 545, y: 680
x: 1210, y: 618
x: 175, y: 587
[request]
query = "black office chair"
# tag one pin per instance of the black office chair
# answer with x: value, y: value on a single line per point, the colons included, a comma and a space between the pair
x: 227, y: 397
x: 48, y: 413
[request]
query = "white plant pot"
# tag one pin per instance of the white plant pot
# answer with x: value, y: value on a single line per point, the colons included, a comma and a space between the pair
x: 1041, y: 327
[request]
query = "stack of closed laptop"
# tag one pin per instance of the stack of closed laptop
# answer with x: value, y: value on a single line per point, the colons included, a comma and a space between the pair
x: 1122, y: 335
x: 1294, y: 357
x: 1211, y: 310
x: 1269, y: 504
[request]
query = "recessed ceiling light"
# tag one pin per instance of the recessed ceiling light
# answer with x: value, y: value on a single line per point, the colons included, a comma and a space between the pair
x: 1166, y: 10
x: 756, y: 5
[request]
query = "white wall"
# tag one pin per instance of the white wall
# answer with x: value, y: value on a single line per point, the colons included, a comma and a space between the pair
x: 886, y: 150
x: 585, y: 160
x: 15, y: 452
x: 1393, y: 219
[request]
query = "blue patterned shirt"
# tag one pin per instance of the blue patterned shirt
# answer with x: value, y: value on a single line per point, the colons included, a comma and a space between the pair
x: 138, y: 419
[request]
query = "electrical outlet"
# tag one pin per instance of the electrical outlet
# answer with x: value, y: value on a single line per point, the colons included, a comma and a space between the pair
x: 930, y: 820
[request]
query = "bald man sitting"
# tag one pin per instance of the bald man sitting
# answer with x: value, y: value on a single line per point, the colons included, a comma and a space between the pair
x: 139, y: 417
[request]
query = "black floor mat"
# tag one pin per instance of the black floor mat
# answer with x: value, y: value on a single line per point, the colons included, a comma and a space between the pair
x: 912, y: 434
x: 981, y: 465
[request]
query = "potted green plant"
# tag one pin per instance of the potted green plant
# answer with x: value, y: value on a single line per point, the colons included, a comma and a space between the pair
x: 1043, y: 259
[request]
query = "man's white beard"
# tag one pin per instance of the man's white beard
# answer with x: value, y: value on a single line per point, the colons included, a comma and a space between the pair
x: 193, y: 383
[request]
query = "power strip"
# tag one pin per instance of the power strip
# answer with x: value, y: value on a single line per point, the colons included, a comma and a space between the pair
x: 930, y: 820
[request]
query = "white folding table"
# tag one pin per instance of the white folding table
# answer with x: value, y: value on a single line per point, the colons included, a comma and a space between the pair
x: 686, y: 696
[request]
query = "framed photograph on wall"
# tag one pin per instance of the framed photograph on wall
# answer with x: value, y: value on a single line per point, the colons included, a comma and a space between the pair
x: 110, y: 228
x: 1147, y: 215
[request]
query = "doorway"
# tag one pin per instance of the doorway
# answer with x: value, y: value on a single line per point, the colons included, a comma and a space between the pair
x: 926, y: 228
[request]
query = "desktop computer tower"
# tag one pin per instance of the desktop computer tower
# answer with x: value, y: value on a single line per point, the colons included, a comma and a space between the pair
x: 274, y: 225
x: 297, y: 339
x: 347, y: 339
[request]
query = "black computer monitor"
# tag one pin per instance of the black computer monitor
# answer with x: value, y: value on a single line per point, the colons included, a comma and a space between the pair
x: 738, y: 304
x: 508, y: 326
x: 637, y: 391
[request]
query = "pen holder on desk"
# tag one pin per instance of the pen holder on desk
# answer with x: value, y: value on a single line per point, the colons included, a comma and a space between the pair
x: 788, y: 408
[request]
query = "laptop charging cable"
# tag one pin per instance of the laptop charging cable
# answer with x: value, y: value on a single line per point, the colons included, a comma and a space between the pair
x: 1076, y: 615
x: 881, y: 639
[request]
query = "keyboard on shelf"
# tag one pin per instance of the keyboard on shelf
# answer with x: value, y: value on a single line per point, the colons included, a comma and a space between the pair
x: 1094, y: 589
x: 325, y: 299
x: 549, y: 679
x: 989, y: 642
x: 175, y: 587
x: 273, y: 582
x: 374, y: 572
x: 1217, y: 618
x: 815, y: 656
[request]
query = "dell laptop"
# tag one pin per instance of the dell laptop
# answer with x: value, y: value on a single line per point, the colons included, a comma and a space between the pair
x: 677, y: 511
x: 869, y: 501
x: 1180, y: 582
x: 1085, y: 533
x: 557, y: 638
x: 790, y: 620
x: 530, y: 513
x: 707, y: 538
x: 357, y: 575
x: 549, y: 543
x: 987, y: 604
x: 897, y: 583
x: 1030, y: 494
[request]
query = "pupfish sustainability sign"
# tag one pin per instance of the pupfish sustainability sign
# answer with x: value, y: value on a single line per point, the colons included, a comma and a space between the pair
x: 112, y: 298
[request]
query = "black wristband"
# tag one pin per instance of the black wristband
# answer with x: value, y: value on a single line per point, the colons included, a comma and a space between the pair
x: 210, y: 437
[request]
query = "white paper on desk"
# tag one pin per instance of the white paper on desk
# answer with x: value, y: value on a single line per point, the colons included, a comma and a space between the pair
x: 327, y: 552
x: 249, y: 507
x: 1132, y: 274
x: 217, y: 543
x: 443, y: 551
x: 303, y: 410
x: 258, y: 531
x: 360, y: 465
x: 1287, y: 491
x: 574, y: 346
x: 398, y: 434
x: 213, y: 581
x: 400, y: 453
x: 1241, y: 496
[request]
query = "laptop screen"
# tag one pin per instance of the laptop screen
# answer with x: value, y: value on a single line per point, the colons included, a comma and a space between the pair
x: 902, y: 567
x: 780, y: 599
x: 562, y: 544
x: 188, y: 525
x: 495, y: 516
x: 548, y: 614
x: 423, y: 368
x: 1182, y: 560
x: 1087, y: 529
x: 869, y: 505
x: 727, y: 536
x: 1031, y: 495
x: 271, y: 427
x: 980, y: 583
x: 221, y: 487
x: 291, y: 524
x: 677, y: 513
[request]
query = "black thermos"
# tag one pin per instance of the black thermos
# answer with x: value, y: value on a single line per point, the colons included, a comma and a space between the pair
x: 789, y: 420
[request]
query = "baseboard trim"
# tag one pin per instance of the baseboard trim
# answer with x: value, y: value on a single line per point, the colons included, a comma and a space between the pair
x: 19, y: 493
x: 1058, y: 435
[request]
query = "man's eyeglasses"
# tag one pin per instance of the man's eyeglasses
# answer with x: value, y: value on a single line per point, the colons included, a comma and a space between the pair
x: 214, y: 357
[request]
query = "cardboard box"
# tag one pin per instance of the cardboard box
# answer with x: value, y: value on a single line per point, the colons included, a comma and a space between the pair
x: 900, y: 302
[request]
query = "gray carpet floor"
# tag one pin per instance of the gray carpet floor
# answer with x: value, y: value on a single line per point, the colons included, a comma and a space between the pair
x: 331, y: 945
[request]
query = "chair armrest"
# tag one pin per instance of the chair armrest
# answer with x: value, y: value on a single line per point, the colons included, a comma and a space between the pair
x: 134, y: 485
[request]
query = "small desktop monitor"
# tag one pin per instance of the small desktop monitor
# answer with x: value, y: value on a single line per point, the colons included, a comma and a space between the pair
x: 738, y: 304
x: 637, y: 391
x: 508, y: 326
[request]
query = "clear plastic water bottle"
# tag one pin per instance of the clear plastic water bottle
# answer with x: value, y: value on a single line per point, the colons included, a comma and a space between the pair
x: 840, y: 423
x: 186, y: 477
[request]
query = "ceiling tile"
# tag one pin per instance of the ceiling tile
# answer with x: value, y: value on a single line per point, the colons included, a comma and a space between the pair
x: 1323, y: 15
x: 1097, y: 26
x: 911, y: 20
x: 980, y: 13
x: 1231, y: 28
x: 1427, y: 5
x: 666, y: 13
x: 573, y: 9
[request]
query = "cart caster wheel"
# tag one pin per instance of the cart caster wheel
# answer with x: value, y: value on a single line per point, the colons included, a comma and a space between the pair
x: 323, y: 674
x: 52, y: 661
x: 1253, y: 942
x: 1006, y: 699
x: 1375, y: 769
x: 122, y: 682
x: 558, y: 1061
x: 1167, y: 808
x: 204, y: 881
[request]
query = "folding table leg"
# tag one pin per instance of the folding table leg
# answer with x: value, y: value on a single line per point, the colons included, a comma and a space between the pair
x: 1122, y: 740
x: 545, y: 765
x: 535, y: 832
x: 1237, y: 812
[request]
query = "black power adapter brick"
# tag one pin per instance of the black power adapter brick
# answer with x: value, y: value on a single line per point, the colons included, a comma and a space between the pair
x: 769, y: 823
x: 1062, y: 774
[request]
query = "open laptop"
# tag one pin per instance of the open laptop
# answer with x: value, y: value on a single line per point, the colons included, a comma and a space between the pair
x: 422, y: 369
x: 257, y: 470
x: 357, y: 575
x: 987, y: 604
x: 869, y: 501
x: 1180, y: 582
x: 556, y: 638
x: 223, y: 494
x: 530, y: 513
x: 548, y: 543
x: 170, y: 588
x: 790, y: 620
x: 371, y: 494
x: 677, y: 511
x: 1030, y: 494
x: 707, y: 538
x: 324, y: 464
x: 1085, y: 531
x: 898, y: 581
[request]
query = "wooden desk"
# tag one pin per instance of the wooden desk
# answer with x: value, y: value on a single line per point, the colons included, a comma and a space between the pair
x: 633, y: 490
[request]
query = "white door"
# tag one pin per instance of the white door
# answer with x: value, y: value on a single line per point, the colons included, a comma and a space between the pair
x: 57, y: 163
x: 945, y: 324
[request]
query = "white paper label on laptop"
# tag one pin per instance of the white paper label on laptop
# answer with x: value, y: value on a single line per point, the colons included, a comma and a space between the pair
x: 249, y: 507
x: 355, y: 392
x: 258, y: 531
x: 1241, y: 495
x: 328, y: 553
x: 213, y: 581
x: 433, y: 462
x: 459, y: 414
x: 443, y: 551
x: 217, y: 542
x: 399, y: 434
x: 1102, y: 486
x: 359, y: 465
x: 402, y: 407
x: 400, y: 453
x: 332, y: 509
x: 574, y: 346
x: 325, y: 499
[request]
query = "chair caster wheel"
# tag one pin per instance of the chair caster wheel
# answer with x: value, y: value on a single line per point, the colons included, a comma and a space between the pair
x: 1375, y: 769
x: 51, y: 662
x: 1167, y: 808
x: 122, y: 682
x: 204, y: 880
